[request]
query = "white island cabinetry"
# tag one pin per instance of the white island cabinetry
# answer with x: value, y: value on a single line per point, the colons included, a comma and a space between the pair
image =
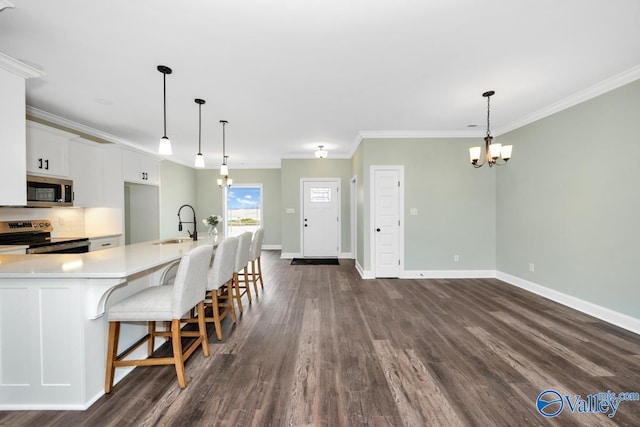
x: 56, y: 360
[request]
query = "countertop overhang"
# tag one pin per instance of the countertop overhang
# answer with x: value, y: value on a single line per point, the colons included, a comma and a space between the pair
x: 115, y: 263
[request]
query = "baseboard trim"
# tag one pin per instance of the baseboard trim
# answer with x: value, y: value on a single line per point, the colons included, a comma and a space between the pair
x: 365, y: 274
x: 448, y: 274
x: 290, y: 255
x: 619, y: 319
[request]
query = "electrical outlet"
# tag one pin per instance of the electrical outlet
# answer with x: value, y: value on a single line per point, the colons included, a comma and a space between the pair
x: 456, y: 258
x: 531, y: 267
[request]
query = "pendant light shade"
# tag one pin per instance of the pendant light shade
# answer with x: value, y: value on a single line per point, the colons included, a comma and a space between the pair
x: 225, y: 181
x: 199, y: 162
x: 165, y: 143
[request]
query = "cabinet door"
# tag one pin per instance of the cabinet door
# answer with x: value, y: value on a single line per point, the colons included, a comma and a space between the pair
x: 47, y: 150
x: 151, y: 169
x: 112, y: 179
x: 140, y: 168
x: 102, y: 243
x: 85, y: 169
x: 12, y: 137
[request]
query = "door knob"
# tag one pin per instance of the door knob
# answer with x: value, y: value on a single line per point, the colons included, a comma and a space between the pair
x: 378, y: 230
x: 306, y: 225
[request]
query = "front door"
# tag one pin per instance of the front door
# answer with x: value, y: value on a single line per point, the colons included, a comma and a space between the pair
x: 320, y: 219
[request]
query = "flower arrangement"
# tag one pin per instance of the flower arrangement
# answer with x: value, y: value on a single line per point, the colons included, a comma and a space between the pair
x: 212, y: 220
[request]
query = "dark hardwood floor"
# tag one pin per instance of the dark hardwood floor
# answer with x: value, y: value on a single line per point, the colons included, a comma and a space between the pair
x: 320, y: 346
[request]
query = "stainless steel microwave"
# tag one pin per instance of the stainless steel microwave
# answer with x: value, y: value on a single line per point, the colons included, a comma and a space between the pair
x: 47, y: 192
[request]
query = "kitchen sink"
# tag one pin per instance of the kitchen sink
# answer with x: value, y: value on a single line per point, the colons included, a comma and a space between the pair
x: 173, y: 241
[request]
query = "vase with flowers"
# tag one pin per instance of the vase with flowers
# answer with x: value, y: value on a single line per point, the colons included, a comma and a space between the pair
x: 212, y: 222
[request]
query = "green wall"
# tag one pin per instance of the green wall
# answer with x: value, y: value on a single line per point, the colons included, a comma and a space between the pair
x: 569, y: 202
x: 178, y: 187
x: 455, y: 203
x: 295, y: 169
x: 209, y: 197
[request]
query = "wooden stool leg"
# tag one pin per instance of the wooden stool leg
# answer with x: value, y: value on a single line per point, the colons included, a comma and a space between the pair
x: 237, y: 296
x: 230, y: 301
x: 177, y: 353
x: 260, y: 273
x: 151, y: 329
x: 254, y: 276
x: 112, y: 353
x: 245, y: 279
x: 216, y: 315
x: 202, y: 327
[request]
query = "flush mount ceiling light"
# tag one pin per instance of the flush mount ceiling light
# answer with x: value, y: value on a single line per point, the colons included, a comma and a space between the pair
x: 165, y: 143
x: 225, y: 181
x: 199, y: 163
x: 321, y: 153
x: 492, y: 152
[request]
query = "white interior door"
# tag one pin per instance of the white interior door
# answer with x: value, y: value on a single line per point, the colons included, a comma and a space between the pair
x: 320, y: 219
x: 386, y: 223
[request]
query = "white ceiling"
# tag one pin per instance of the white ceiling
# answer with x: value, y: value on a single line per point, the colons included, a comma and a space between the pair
x: 289, y: 75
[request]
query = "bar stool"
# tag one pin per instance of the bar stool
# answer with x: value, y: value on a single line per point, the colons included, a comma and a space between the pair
x: 220, y: 284
x: 254, y: 258
x: 161, y: 304
x: 242, y: 260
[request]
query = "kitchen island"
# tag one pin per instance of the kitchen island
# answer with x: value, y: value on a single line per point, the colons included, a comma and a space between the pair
x: 53, y: 332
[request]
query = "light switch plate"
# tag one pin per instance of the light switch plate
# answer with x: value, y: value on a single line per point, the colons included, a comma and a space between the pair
x: 291, y: 210
x: 413, y: 211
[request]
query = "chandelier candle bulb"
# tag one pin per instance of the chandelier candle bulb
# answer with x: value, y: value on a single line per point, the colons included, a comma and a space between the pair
x: 495, y: 150
x: 505, y: 153
x: 474, y: 153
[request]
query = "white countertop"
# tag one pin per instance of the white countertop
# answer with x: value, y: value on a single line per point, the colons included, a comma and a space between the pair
x: 118, y: 262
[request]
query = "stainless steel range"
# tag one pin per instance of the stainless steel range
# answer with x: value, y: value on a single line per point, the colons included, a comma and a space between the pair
x: 37, y: 234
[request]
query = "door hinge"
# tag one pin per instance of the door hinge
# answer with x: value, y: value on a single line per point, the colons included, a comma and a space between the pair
x: 398, y: 223
x: 398, y: 183
x: 398, y: 262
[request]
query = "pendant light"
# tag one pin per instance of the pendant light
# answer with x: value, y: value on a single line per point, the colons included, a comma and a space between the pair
x: 199, y: 163
x: 165, y: 143
x: 492, y: 152
x: 225, y: 181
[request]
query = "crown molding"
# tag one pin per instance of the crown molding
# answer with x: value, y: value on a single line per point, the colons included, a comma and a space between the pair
x: 77, y: 127
x: 417, y: 134
x: 16, y: 67
x: 598, y: 89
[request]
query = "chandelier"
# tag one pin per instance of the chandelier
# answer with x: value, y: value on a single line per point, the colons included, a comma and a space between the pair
x: 225, y: 181
x: 492, y: 152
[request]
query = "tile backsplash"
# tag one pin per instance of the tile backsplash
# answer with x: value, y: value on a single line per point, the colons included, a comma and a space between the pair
x: 71, y: 222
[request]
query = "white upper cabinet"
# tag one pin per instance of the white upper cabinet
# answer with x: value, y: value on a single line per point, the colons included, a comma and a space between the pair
x: 96, y: 171
x: 12, y: 132
x: 47, y: 150
x: 140, y: 168
x: 85, y: 169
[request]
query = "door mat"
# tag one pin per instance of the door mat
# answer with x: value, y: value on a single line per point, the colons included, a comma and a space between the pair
x: 315, y: 261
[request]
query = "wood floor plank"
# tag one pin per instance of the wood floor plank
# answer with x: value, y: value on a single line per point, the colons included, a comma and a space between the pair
x: 320, y: 346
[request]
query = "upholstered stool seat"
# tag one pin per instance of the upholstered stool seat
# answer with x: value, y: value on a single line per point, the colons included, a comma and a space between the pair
x: 220, y: 284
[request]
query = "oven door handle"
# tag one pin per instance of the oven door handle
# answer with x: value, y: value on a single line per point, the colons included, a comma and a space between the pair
x: 57, y: 247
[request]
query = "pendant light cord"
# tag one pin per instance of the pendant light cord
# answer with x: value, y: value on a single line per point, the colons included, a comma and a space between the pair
x: 164, y: 81
x: 199, y: 128
x: 488, y: 131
